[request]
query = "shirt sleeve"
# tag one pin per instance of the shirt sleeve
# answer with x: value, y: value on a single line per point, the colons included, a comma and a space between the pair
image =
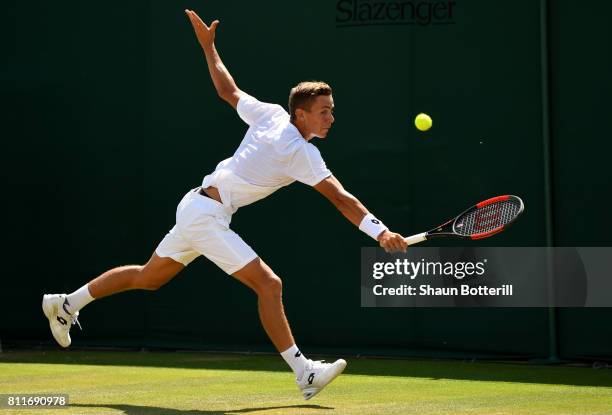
x: 307, y: 165
x: 252, y: 111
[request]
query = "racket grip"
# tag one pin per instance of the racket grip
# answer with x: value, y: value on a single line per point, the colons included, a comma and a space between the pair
x: 415, y: 239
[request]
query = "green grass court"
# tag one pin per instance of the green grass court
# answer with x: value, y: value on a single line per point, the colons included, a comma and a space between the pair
x: 164, y: 383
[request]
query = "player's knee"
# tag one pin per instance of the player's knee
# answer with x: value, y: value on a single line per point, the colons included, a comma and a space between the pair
x: 270, y: 286
x: 152, y: 285
x: 146, y: 280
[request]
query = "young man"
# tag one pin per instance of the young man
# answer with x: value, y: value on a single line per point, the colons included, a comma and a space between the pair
x: 274, y: 153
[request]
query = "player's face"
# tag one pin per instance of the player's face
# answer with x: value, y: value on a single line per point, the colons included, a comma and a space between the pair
x: 320, y: 117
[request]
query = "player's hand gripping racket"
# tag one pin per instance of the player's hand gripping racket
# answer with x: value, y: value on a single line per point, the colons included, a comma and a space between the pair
x: 479, y: 221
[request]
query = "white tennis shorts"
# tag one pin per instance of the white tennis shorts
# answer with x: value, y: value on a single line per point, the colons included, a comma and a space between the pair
x: 202, y: 228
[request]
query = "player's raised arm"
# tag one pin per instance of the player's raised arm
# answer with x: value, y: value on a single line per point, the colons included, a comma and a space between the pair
x: 355, y: 212
x: 223, y: 81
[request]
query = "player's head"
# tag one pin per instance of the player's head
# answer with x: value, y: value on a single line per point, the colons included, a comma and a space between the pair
x: 311, y: 107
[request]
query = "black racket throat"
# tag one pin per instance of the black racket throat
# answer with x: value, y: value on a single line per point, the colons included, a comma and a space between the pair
x: 446, y: 229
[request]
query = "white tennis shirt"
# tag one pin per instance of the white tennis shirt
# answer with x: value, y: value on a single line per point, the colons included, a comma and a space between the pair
x: 272, y: 154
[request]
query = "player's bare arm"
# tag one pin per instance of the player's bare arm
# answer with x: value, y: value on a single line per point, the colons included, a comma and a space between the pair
x: 355, y: 212
x: 223, y: 81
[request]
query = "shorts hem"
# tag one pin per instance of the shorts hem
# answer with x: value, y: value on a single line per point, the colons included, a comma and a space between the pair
x: 237, y: 268
x: 176, y: 258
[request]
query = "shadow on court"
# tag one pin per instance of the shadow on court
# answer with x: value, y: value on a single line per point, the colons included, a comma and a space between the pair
x: 438, y: 369
x: 151, y: 410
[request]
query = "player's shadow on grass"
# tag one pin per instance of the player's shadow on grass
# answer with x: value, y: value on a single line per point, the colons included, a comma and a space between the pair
x: 153, y: 410
x: 442, y: 369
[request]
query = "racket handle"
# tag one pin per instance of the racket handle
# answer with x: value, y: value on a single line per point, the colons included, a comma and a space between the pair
x: 415, y: 239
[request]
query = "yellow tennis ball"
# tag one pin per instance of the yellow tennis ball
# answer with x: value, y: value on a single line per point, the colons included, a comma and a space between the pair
x: 423, y: 122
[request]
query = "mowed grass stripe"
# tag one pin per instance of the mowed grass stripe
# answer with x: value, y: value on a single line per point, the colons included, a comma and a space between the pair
x: 204, y: 384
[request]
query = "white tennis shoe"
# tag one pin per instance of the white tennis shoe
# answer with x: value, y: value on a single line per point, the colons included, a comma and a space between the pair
x: 318, y: 374
x: 60, y: 320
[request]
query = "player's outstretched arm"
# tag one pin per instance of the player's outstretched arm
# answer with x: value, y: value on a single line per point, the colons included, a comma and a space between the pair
x: 223, y: 81
x: 355, y: 212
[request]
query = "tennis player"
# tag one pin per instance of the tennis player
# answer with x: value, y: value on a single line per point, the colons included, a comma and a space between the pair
x: 275, y: 152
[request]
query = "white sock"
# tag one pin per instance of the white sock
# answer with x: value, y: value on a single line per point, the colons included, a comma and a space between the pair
x: 79, y: 299
x: 295, y: 359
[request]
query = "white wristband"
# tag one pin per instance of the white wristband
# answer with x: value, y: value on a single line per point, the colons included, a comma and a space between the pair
x: 372, y: 226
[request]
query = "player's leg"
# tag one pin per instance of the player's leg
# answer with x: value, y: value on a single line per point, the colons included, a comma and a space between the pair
x: 268, y: 286
x: 311, y: 376
x: 62, y: 310
x: 204, y: 223
x: 210, y: 236
x: 151, y: 276
x: 170, y: 257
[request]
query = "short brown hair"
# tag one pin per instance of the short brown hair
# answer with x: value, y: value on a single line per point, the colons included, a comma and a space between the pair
x: 303, y: 94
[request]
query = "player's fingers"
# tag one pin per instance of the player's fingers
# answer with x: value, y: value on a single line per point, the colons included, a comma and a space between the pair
x: 402, y: 243
x: 195, y: 19
x: 213, y: 26
x: 394, y: 244
x: 391, y: 247
x: 401, y: 247
x: 192, y: 19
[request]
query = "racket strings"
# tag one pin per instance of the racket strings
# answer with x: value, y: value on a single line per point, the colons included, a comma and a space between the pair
x: 488, y: 218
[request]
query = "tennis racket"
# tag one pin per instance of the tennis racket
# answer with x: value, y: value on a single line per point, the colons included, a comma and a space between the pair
x: 482, y: 220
